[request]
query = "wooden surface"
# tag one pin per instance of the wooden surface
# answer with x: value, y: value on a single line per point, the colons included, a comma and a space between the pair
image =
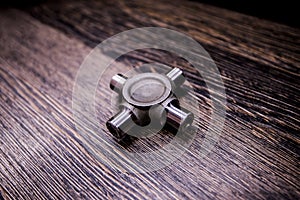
x: 41, y: 157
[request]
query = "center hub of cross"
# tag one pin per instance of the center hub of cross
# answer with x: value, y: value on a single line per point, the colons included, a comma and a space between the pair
x: 146, y: 89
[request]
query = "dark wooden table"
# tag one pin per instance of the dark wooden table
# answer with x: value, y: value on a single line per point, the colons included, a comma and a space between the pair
x: 42, y: 157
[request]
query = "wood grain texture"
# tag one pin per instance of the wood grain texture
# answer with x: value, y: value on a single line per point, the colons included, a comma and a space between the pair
x: 42, y: 156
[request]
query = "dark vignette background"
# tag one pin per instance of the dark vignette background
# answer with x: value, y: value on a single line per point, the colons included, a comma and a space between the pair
x: 284, y: 12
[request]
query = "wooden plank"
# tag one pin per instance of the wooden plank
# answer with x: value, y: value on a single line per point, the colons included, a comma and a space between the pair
x: 41, y: 152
